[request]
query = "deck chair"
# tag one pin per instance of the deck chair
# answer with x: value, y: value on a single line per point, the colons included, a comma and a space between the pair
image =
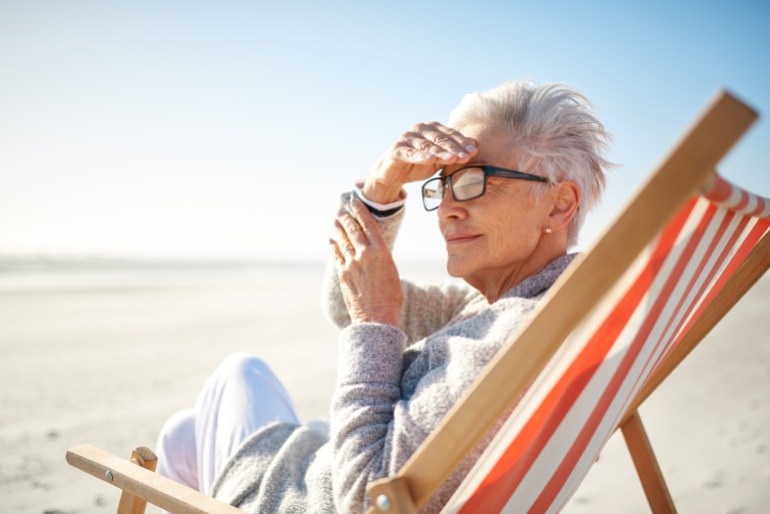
x: 684, y: 251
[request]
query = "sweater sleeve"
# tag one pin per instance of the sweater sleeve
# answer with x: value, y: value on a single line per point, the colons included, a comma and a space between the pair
x: 368, y: 388
x: 429, y: 307
x: 374, y: 427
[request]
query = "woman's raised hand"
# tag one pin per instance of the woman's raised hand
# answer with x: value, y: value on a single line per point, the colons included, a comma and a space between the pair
x: 369, y: 280
x: 417, y: 155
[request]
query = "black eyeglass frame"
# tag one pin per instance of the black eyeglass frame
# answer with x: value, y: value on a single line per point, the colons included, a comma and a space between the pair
x: 489, y: 171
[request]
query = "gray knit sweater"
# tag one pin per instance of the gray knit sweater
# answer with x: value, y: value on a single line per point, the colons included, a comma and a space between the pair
x: 394, y: 385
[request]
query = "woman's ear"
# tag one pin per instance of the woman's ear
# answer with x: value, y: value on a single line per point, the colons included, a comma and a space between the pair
x: 566, y: 200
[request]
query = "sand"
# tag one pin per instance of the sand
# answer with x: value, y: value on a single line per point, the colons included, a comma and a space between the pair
x: 107, y: 365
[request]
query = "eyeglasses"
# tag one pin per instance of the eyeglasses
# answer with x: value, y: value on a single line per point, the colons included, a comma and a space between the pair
x: 468, y: 183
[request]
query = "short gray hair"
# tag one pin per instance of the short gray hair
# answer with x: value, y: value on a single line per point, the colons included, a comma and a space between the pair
x: 552, y: 124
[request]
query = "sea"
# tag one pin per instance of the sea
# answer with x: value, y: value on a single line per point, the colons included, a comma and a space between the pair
x: 27, y: 274
x: 46, y: 273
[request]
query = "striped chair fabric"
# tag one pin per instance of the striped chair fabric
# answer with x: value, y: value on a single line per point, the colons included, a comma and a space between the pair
x: 556, y: 432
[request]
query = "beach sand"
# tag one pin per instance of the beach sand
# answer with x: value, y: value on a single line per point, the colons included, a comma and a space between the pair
x: 107, y: 365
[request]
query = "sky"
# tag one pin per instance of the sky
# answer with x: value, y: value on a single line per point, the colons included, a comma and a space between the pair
x: 227, y: 130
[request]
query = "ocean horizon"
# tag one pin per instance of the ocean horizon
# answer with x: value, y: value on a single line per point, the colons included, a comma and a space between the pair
x: 46, y: 273
x: 31, y: 273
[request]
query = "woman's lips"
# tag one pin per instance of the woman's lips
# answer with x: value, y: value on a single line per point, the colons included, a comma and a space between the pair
x: 460, y: 238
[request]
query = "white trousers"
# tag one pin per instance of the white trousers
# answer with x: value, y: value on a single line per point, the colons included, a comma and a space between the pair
x: 242, y: 396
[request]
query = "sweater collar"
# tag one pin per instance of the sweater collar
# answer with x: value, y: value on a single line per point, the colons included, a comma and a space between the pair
x: 537, y: 284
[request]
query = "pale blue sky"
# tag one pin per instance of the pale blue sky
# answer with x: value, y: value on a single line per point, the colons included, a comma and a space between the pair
x: 227, y: 129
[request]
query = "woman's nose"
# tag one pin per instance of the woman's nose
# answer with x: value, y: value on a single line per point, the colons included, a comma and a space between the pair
x: 449, y: 207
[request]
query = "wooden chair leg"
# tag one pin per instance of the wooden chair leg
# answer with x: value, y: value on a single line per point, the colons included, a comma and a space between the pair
x: 658, y: 495
x: 130, y: 504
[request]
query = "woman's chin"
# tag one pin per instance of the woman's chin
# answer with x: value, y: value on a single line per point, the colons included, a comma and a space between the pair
x: 453, y: 273
x: 456, y: 266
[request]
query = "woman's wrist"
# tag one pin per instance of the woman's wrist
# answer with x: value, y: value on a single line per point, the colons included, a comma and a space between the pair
x: 381, y: 193
x: 378, y: 207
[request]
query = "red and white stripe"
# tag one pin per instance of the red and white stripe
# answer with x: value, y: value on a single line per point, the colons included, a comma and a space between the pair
x: 737, y: 199
x: 556, y: 432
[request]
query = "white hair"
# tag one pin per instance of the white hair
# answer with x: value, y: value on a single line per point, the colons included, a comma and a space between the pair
x: 553, y: 125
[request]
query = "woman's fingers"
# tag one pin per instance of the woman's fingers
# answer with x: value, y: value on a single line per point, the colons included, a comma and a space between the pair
x: 417, y: 155
x: 336, y: 250
x: 406, y: 150
x: 367, y: 223
x: 431, y: 146
x: 350, y: 230
x: 343, y: 247
x: 436, y: 139
x: 357, y: 228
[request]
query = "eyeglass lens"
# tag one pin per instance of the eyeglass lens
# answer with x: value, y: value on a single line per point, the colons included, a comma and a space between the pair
x: 466, y: 184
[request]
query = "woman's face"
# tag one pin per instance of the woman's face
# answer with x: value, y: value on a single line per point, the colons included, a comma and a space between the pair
x: 494, y: 237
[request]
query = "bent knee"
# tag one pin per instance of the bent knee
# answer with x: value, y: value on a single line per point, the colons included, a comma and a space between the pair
x: 240, y: 364
x: 179, y: 429
x: 243, y: 364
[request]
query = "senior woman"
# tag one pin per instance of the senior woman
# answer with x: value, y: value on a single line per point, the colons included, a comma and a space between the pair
x: 518, y: 168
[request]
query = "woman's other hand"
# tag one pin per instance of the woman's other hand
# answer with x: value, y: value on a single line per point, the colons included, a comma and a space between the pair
x: 417, y: 155
x: 368, y: 276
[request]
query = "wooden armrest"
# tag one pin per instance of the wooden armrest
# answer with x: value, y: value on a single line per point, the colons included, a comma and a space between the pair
x: 158, y: 490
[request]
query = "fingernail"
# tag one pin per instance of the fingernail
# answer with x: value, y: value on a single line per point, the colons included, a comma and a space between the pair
x: 462, y: 155
x: 471, y: 148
